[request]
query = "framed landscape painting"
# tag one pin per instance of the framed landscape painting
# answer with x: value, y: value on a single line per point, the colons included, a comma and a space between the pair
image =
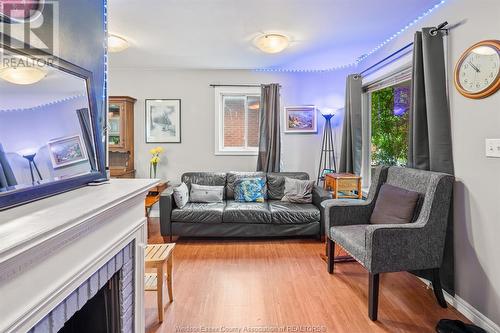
x: 163, y: 121
x: 301, y: 119
x: 66, y: 151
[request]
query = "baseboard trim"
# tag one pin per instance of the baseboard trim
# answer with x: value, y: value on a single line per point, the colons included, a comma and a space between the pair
x: 468, y: 311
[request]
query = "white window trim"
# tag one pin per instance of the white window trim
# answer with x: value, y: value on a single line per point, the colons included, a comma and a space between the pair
x: 219, y: 120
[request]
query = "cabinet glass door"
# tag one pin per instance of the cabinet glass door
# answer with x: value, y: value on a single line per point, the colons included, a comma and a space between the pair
x: 115, y: 131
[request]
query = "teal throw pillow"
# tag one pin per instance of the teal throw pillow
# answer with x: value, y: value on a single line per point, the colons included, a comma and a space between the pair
x: 249, y: 190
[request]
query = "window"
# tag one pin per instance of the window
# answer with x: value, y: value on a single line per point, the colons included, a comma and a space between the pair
x: 386, y: 106
x: 389, y: 125
x: 237, y: 120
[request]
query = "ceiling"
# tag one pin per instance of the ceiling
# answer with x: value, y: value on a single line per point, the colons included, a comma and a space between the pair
x: 218, y: 34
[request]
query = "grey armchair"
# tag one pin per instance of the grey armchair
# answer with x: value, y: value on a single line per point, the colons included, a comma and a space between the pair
x: 393, y: 247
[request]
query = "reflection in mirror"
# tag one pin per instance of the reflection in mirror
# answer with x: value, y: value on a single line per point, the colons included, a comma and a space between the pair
x: 45, y: 126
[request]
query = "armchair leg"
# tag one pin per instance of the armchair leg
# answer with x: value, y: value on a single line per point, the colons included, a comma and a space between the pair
x: 373, y: 286
x: 331, y: 255
x: 438, y: 290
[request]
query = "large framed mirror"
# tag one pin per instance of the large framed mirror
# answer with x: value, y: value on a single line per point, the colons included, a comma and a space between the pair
x: 50, y: 136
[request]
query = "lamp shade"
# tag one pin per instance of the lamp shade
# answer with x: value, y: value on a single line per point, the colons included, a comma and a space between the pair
x: 117, y: 43
x: 328, y: 112
x: 272, y: 43
x: 22, y: 74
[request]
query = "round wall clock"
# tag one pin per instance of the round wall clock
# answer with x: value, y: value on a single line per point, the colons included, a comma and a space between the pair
x: 20, y: 11
x: 477, y: 73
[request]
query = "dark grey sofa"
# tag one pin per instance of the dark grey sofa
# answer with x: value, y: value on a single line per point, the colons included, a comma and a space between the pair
x: 229, y: 218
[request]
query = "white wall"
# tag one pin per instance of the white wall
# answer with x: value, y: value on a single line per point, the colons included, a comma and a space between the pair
x: 300, y: 152
x: 477, y: 192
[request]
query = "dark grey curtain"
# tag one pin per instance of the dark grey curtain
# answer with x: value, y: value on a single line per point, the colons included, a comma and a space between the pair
x: 7, y: 177
x: 430, y: 128
x: 86, y: 126
x: 269, y: 156
x: 350, y: 152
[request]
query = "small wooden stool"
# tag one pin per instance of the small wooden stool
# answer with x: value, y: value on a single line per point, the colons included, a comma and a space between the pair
x: 156, y: 256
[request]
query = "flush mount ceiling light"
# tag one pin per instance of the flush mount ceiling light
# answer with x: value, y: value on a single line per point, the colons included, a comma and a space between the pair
x: 272, y: 43
x: 22, y: 75
x: 117, y: 43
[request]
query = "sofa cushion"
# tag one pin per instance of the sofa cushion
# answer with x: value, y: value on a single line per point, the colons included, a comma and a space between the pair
x: 394, y: 205
x: 246, y: 212
x: 181, y: 195
x: 233, y: 176
x: 204, y: 178
x: 276, y: 183
x: 293, y: 213
x: 351, y: 238
x: 205, y: 193
x: 249, y: 189
x: 298, y: 191
x: 199, y: 213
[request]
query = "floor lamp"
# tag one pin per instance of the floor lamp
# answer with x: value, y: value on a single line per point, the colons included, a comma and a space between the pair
x: 32, y: 164
x: 327, y: 159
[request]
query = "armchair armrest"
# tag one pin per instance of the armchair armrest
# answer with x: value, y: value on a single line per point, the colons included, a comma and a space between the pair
x: 167, y: 204
x: 400, y: 247
x: 340, y: 212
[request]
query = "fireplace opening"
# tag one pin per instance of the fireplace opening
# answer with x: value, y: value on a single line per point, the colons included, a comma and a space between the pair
x: 101, y: 313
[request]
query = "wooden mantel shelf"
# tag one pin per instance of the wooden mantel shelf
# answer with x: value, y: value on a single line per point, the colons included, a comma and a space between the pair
x: 26, y: 226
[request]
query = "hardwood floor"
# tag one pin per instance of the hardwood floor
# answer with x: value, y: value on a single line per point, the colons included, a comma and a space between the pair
x: 277, y: 283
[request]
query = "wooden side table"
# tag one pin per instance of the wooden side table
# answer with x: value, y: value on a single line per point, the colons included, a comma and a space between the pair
x: 343, y: 185
x: 153, y: 196
x: 156, y: 257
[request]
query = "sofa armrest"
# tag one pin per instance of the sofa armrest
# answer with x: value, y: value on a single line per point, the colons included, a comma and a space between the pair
x: 319, y: 195
x: 340, y: 212
x: 167, y: 204
x: 400, y: 247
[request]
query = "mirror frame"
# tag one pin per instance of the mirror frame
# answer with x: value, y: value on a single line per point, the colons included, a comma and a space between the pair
x: 25, y: 195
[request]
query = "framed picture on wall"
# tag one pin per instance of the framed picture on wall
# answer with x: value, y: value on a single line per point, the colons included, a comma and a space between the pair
x: 301, y: 119
x: 66, y: 151
x: 163, y: 121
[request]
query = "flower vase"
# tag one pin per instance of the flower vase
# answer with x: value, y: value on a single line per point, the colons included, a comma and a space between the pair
x: 152, y: 170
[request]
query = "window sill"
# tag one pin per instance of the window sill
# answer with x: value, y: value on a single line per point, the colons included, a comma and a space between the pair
x: 236, y: 153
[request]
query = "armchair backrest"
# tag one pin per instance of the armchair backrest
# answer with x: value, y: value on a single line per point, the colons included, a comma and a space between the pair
x: 437, y: 190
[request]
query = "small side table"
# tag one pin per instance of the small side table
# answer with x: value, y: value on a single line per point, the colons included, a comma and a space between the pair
x: 153, y: 196
x: 156, y: 257
x: 343, y: 185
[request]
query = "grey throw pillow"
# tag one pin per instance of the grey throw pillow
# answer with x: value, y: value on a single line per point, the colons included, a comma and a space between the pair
x: 395, y: 206
x: 207, y: 194
x: 298, y: 191
x: 181, y: 195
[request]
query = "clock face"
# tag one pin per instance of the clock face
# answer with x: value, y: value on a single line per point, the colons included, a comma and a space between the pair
x: 479, y: 69
x: 477, y: 74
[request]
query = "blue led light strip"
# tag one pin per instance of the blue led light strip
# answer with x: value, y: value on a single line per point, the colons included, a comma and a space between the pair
x: 364, y: 56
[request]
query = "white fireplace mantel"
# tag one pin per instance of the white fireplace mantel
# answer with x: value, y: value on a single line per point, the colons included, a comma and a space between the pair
x: 48, y: 248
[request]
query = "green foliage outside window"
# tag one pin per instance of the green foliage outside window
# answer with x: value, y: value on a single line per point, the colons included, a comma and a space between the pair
x: 389, y: 131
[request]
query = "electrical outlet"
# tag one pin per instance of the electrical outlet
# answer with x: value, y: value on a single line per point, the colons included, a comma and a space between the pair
x: 493, y: 148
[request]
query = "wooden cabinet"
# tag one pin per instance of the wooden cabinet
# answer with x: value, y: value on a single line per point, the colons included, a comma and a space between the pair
x: 121, y: 136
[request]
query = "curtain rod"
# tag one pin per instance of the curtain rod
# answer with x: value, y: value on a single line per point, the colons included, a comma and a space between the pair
x: 433, y: 32
x: 237, y: 85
